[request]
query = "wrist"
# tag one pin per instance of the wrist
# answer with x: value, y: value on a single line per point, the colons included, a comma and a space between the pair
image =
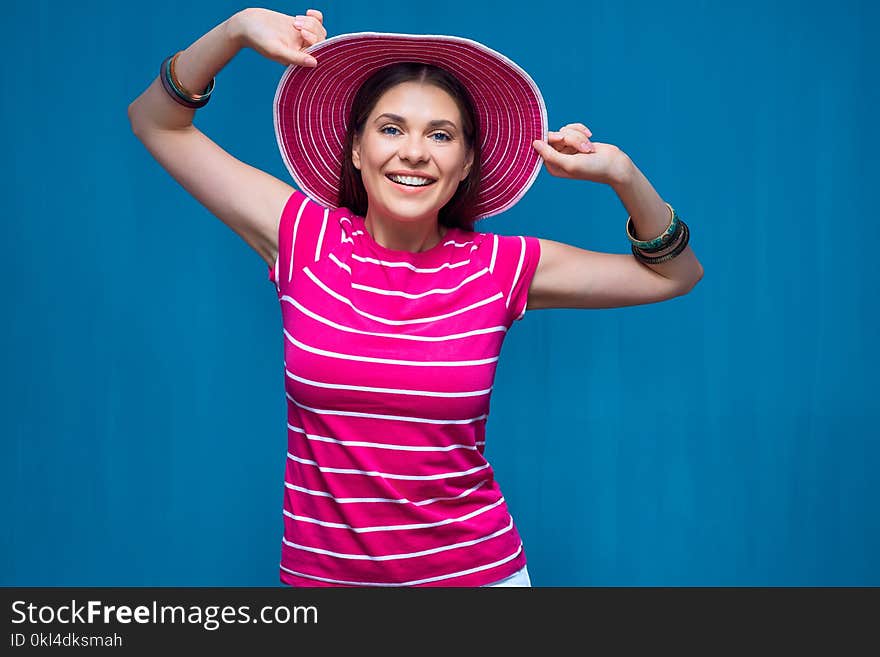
x: 621, y: 171
x: 234, y: 28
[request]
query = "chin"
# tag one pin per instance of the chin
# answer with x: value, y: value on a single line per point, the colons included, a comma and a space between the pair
x: 410, y: 212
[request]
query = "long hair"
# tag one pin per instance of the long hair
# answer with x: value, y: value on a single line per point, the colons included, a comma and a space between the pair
x: 460, y: 211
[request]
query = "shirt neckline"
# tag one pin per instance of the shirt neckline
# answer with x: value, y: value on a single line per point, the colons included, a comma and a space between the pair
x: 407, y: 255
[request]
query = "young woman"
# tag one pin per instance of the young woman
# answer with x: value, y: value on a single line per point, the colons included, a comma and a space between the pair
x: 394, y: 306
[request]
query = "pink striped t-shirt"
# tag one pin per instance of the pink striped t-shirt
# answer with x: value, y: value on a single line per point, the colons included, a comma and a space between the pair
x: 389, y: 362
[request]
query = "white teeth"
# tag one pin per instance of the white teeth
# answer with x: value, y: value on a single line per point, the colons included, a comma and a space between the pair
x: 411, y: 180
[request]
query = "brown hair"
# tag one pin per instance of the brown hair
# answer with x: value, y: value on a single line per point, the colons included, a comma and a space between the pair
x: 460, y: 211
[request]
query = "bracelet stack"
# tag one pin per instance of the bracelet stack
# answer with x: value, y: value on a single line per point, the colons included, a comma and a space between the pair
x: 676, y: 237
x: 177, y: 91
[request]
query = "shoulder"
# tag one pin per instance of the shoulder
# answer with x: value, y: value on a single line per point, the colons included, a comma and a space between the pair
x: 511, y: 261
x: 306, y: 231
x: 303, y: 218
x: 502, y: 251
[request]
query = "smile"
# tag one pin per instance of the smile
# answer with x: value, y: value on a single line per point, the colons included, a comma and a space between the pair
x: 410, y: 181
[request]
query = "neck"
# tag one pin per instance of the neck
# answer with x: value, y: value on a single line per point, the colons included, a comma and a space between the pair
x: 414, y: 236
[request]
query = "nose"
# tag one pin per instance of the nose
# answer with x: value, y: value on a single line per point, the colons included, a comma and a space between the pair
x: 413, y: 148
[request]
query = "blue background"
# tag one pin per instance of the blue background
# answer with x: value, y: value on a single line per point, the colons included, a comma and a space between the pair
x: 728, y: 437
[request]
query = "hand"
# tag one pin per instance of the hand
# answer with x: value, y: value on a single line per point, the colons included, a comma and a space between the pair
x: 569, y: 153
x: 279, y: 37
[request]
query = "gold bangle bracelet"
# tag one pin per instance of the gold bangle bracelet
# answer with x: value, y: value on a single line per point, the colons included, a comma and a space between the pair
x: 660, y: 240
x: 183, y: 90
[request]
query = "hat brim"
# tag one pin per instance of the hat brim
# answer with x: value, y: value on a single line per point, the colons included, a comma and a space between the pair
x: 312, y: 104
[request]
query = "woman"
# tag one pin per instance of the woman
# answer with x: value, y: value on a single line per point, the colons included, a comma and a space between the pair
x: 394, y: 306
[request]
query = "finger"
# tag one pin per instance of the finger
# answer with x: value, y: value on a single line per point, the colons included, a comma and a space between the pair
x: 558, y: 164
x: 313, y: 25
x: 572, y: 130
x: 299, y: 58
x: 546, y: 151
x: 565, y: 137
x: 581, y: 127
x: 557, y: 141
x: 572, y: 141
x: 309, y: 37
x: 577, y: 139
x: 316, y: 13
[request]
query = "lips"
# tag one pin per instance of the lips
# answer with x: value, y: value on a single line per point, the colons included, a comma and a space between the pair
x: 410, y: 189
x: 410, y: 179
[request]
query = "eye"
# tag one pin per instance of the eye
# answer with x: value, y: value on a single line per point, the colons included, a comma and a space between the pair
x: 388, y: 127
x: 445, y: 137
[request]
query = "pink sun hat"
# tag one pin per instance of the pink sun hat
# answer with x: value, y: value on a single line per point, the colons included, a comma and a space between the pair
x: 312, y: 105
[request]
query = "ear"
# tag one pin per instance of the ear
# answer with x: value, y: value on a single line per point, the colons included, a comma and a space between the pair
x: 356, y: 153
x: 467, y: 165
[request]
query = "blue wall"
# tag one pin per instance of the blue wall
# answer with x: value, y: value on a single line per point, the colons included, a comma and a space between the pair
x: 143, y: 429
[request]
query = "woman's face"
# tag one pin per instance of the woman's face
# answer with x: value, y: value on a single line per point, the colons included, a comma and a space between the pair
x: 412, y: 137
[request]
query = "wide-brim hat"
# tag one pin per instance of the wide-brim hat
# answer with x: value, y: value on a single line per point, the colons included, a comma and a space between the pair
x: 312, y: 106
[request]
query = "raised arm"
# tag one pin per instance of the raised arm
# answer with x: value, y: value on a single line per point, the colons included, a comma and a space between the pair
x: 246, y: 199
x: 570, y: 277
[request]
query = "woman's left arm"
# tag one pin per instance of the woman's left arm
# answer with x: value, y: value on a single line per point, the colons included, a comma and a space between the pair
x: 569, y: 277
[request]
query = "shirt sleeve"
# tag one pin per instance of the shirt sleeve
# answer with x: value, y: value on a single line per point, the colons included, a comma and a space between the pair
x: 301, y: 232
x: 513, y: 261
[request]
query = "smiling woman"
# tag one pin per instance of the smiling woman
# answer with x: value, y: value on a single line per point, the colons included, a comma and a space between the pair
x: 408, y: 167
x: 421, y: 303
x: 394, y: 307
x: 414, y: 125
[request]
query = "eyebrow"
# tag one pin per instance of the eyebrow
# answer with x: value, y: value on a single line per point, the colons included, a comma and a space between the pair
x: 436, y: 123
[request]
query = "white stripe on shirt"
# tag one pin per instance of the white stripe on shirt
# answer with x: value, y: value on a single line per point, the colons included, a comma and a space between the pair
x: 398, y: 322
x: 379, y: 416
x: 387, y: 475
x: 410, y: 266
x: 522, y: 256
x: 391, y: 500
x: 426, y: 338
x: 393, y: 528
x: 342, y: 265
x: 321, y: 235
x: 414, y: 582
x: 388, y: 361
x: 403, y: 555
x: 390, y: 391
x: 494, y: 252
x: 407, y: 295
x: 363, y: 443
x: 302, y: 207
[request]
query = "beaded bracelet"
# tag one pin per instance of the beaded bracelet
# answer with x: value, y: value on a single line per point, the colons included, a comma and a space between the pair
x: 686, y: 234
x: 177, y: 91
x: 661, y: 240
x: 668, y: 246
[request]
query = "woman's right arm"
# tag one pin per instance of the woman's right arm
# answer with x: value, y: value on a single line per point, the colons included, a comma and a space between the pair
x: 246, y: 199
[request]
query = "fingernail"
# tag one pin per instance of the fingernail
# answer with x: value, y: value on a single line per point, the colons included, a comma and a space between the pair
x: 585, y: 147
